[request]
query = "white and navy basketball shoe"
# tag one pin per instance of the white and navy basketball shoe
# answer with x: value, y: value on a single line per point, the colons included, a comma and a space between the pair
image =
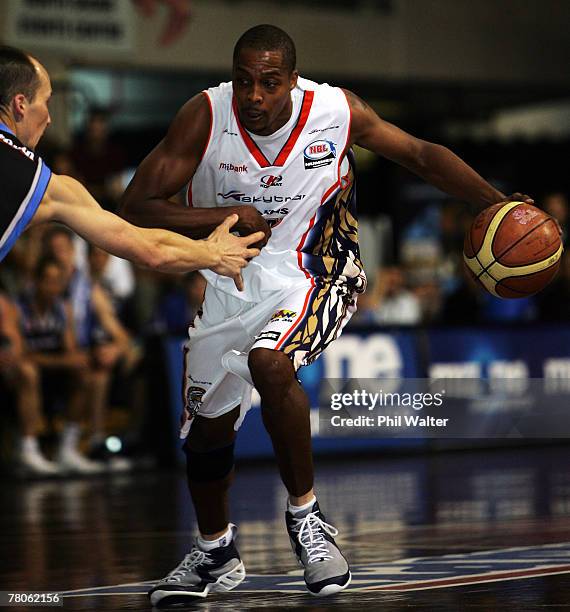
x: 326, y: 570
x: 200, y: 573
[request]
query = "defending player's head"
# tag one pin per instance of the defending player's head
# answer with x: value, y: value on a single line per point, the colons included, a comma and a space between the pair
x: 263, y: 76
x: 25, y: 89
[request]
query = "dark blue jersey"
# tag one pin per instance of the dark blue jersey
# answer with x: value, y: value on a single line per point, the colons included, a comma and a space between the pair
x: 43, y: 332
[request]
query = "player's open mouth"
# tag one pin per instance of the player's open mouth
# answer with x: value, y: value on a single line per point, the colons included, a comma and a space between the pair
x: 253, y: 115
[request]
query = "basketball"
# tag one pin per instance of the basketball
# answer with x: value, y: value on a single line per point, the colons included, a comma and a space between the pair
x: 512, y: 249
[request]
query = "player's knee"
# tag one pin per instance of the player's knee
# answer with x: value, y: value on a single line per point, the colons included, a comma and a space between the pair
x: 209, y: 434
x: 210, y: 465
x: 270, y: 368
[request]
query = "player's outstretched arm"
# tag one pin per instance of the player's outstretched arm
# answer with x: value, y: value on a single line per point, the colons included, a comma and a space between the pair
x: 68, y: 202
x: 168, y: 168
x: 434, y: 163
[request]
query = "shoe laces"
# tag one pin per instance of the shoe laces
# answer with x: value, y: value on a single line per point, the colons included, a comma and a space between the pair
x: 311, y: 533
x: 194, y: 558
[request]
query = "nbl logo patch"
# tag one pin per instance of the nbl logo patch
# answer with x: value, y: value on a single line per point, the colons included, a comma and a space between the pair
x: 319, y: 153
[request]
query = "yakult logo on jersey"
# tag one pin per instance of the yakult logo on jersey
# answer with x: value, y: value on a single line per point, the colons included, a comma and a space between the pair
x: 242, y: 169
x: 239, y: 196
x: 319, y: 153
x: 269, y: 180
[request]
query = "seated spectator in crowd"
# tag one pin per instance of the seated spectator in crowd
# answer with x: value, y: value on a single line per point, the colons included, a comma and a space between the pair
x: 58, y: 244
x: 112, y: 351
x: 556, y: 204
x: 97, y: 157
x: 180, y: 304
x: 554, y: 300
x: 471, y: 304
x: 20, y: 376
x: 97, y: 328
x: 114, y: 274
x: 63, y: 368
x: 390, y: 302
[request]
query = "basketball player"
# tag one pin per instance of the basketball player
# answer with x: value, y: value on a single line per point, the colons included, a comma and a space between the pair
x: 32, y: 194
x: 275, y: 149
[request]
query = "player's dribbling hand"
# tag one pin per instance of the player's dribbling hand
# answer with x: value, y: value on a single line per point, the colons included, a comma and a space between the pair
x: 519, y: 197
x: 251, y: 220
x: 235, y: 252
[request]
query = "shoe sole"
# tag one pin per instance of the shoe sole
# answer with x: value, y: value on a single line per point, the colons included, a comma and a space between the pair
x: 226, y: 582
x: 331, y: 589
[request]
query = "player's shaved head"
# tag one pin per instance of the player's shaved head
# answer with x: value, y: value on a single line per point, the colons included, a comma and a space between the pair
x: 18, y: 75
x: 267, y: 37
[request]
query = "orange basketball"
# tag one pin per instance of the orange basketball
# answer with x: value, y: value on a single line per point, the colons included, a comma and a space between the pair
x: 512, y: 249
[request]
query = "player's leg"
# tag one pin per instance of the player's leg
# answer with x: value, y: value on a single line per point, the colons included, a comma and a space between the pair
x: 214, y: 563
x: 297, y: 333
x: 286, y: 416
x: 210, y: 471
x: 209, y: 398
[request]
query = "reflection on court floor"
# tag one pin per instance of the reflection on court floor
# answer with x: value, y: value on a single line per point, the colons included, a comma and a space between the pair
x: 431, y: 531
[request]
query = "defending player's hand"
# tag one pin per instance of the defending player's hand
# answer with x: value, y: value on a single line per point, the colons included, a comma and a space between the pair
x: 234, y: 251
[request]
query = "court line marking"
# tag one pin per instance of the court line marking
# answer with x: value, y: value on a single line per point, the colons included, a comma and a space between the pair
x: 381, y: 572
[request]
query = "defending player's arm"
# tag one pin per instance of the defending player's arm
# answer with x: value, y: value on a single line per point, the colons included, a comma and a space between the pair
x: 68, y: 202
x: 168, y: 168
x: 434, y: 163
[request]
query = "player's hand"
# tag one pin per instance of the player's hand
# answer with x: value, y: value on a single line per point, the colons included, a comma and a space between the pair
x: 519, y: 197
x: 234, y: 251
x: 250, y: 220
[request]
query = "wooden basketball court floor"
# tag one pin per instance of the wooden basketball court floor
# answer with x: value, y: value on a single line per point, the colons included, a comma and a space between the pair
x: 479, y: 530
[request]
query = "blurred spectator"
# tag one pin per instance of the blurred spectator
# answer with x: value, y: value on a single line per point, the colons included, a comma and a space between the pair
x: 62, y: 162
x: 97, y: 328
x: 20, y: 375
x: 471, y: 304
x: 554, y: 300
x: 97, y: 158
x: 114, y: 274
x: 556, y: 204
x: 58, y: 244
x: 463, y: 306
x: 112, y: 352
x: 180, y: 304
x: 390, y: 302
x: 47, y: 328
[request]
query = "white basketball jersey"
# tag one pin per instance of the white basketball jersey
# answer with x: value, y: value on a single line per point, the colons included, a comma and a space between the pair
x: 305, y: 193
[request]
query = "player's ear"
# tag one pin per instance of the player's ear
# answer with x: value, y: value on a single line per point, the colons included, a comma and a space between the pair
x: 19, y: 104
x: 293, y: 80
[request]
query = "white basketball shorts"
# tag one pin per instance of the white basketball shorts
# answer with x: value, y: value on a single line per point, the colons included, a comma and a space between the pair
x: 301, y: 322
